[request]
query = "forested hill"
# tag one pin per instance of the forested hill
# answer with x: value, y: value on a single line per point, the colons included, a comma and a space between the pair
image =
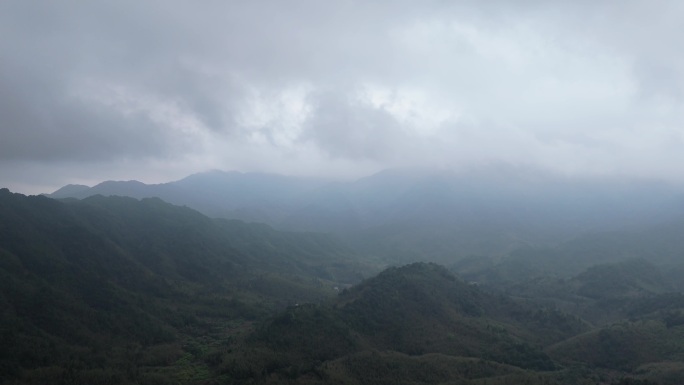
x: 165, y: 239
x: 83, y: 282
x: 115, y: 290
x: 419, y: 324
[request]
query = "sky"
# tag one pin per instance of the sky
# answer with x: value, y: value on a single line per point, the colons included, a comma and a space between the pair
x: 157, y: 90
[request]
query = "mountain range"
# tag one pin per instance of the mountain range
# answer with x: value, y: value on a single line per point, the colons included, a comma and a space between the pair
x: 115, y: 289
x: 406, y: 215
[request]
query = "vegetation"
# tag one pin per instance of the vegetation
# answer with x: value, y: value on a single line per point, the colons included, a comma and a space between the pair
x: 114, y: 290
x: 117, y: 290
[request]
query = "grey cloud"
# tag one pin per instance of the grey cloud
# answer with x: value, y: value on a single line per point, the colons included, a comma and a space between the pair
x: 50, y: 51
x: 659, y: 79
x: 348, y: 129
x: 156, y: 81
x: 39, y: 122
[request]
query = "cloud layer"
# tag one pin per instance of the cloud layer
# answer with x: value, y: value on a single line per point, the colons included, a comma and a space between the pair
x: 157, y: 90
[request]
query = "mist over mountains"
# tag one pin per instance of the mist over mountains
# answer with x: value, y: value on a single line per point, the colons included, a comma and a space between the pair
x: 546, y: 280
x: 411, y: 214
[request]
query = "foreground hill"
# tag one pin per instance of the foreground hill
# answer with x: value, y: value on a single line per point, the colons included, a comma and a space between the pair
x: 419, y: 324
x: 92, y: 282
x: 420, y: 319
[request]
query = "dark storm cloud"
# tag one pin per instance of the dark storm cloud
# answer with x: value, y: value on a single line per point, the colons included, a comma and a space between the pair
x: 41, y: 123
x: 51, y: 53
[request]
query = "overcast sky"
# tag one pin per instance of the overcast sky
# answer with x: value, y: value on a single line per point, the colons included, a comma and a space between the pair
x: 157, y: 90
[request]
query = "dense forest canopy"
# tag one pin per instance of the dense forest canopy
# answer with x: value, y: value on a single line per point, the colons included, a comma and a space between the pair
x: 116, y: 289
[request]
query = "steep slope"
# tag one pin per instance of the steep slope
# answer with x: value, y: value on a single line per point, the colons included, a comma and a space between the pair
x: 156, y: 230
x: 84, y: 281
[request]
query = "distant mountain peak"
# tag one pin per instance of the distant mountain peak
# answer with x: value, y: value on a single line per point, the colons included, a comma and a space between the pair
x: 69, y: 191
x: 120, y: 183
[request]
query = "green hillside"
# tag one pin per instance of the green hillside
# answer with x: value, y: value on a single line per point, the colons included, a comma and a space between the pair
x: 418, y: 315
x: 113, y: 290
x: 419, y: 324
x: 90, y: 283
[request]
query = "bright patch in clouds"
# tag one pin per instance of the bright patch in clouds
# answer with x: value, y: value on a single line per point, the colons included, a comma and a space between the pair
x: 131, y: 90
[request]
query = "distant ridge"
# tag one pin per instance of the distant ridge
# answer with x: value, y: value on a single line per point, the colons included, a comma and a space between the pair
x: 408, y: 215
x: 233, y: 195
x: 69, y: 191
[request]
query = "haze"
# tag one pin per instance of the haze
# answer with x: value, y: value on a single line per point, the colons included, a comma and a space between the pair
x: 158, y: 90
